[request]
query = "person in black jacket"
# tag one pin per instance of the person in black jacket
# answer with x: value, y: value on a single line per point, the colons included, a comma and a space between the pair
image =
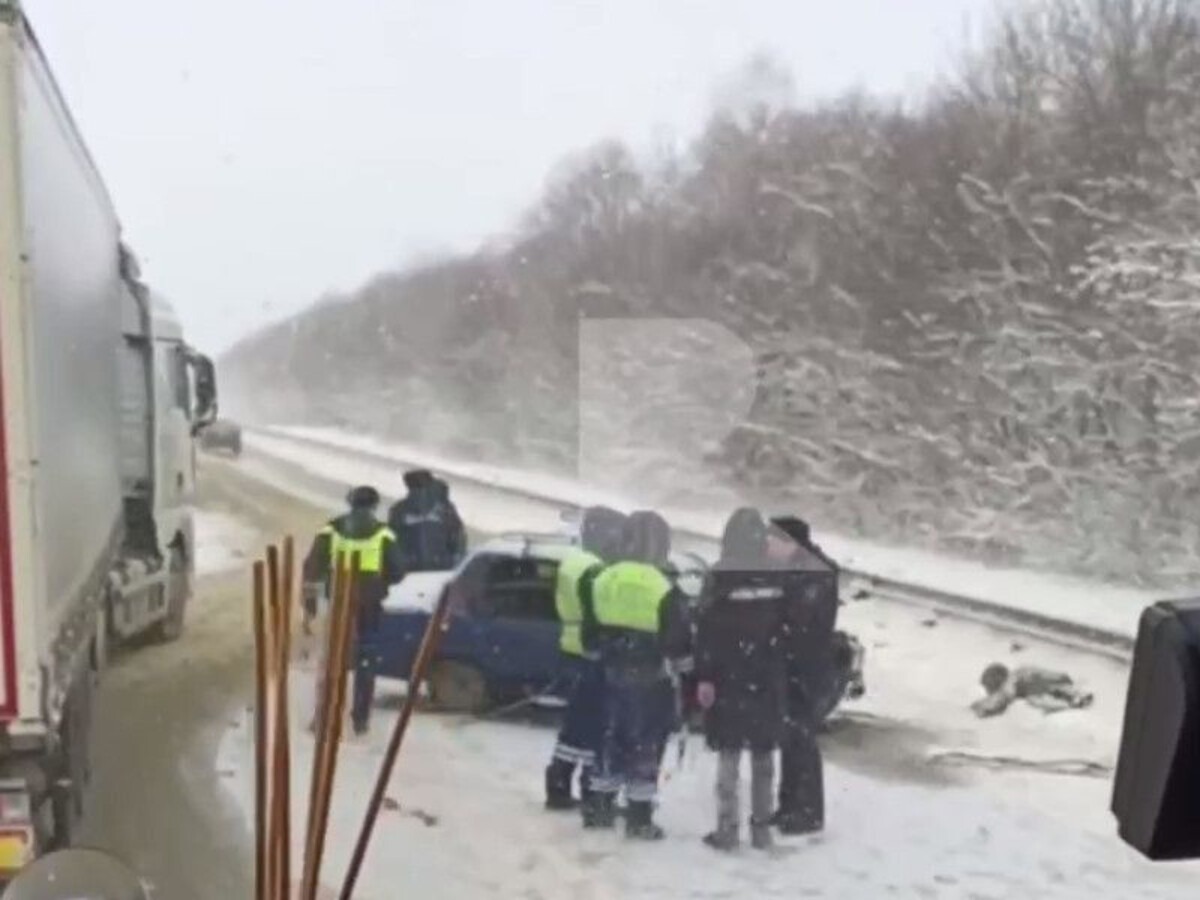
x: 454, y: 532
x: 357, y: 532
x: 427, y: 525
x: 740, y: 673
x: 810, y: 620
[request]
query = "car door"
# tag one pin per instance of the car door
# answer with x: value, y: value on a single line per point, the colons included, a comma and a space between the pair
x: 406, y: 612
x: 518, y: 634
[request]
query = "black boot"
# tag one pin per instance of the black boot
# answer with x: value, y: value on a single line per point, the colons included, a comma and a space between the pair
x: 599, y: 810
x: 558, y: 786
x: 639, y: 822
x: 796, y: 823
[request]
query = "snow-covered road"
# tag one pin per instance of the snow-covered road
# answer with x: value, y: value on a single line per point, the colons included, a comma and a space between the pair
x: 221, y: 540
x: 902, y: 821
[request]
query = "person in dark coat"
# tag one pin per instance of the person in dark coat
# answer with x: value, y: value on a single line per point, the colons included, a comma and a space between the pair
x: 740, y: 673
x: 358, y: 532
x: 810, y: 617
x: 455, y: 532
x: 427, y: 524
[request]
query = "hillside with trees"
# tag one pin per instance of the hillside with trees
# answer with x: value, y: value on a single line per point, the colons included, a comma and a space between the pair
x: 975, y: 320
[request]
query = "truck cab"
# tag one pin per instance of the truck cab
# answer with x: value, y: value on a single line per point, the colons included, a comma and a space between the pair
x: 167, y: 397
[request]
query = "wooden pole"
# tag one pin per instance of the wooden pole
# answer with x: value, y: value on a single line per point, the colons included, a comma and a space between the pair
x: 425, y: 654
x: 277, y: 744
x: 272, y: 632
x: 330, y: 727
x: 283, y: 786
x: 260, y: 734
x: 320, y: 719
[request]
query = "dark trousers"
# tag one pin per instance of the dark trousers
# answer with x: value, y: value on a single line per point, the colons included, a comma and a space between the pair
x: 638, y: 715
x: 583, y: 721
x: 581, y: 733
x: 366, y: 666
x: 801, y: 778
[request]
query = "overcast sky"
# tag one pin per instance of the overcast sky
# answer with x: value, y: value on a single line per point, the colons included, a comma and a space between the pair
x: 263, y: 152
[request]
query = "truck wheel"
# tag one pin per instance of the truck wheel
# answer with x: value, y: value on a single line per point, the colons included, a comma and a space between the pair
x: 63, y: 813
x: 101, y: 644
x: 79, y: 759
x: 74, y: 767
x: 458, y: 687
x: 179, y: 590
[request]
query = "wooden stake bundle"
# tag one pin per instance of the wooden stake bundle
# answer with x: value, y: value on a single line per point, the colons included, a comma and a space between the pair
x: 274, y: 591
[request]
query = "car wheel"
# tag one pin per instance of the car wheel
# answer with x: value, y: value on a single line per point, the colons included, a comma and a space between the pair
x: 458, y: 687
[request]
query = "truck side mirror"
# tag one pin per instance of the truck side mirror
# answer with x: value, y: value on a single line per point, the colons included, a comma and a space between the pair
x: 205, y: 377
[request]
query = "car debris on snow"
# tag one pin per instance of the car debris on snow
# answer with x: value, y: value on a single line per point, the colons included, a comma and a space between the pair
x: 429, y: 820
x: 1085, y: 768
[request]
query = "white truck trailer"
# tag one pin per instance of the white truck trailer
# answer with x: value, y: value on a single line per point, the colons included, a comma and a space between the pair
x: 100, y: 399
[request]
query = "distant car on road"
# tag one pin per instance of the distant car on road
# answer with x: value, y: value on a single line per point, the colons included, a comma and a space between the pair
x: 222, y: 435
x: 502, y: 640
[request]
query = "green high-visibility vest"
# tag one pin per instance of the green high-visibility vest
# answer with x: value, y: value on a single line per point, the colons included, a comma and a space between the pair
x: 566, y: 599
x: 369, y: 549
x: 628, y: 595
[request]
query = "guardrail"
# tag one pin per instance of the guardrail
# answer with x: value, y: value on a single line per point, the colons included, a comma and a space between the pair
x: 1045, y: 626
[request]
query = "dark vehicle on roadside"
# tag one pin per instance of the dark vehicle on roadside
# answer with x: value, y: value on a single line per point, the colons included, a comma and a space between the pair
x: 502, y: 641
x: 222, y: 436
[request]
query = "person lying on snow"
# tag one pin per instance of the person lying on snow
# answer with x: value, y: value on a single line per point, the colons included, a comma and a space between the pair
x: 1044, y: 689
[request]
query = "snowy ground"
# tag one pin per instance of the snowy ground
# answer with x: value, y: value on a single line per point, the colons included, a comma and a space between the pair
x: 221, y: 541
x: 1106, y: 607
x: 469, y: 824
x: 924, y: 799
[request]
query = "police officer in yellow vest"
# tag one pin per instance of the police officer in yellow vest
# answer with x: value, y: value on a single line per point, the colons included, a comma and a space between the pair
x: 360, y: 532
x: 637, y: 621
x: 601, y: 534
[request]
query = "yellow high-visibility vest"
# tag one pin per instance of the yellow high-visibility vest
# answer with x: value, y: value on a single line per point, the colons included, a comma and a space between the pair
x: 369, y: 549
x: 628, y: 595
x: 566, y: 598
